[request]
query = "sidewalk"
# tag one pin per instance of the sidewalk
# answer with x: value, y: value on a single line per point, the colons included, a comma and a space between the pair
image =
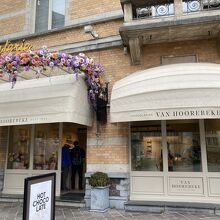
x: 13, y: 211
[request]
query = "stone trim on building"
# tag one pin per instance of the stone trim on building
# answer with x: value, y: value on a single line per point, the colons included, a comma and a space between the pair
x: 108, y: 42
x: 104, y: 17
x: 118, y: 190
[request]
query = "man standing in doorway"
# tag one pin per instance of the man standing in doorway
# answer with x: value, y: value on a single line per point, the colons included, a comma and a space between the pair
x: 77, y: 154
x: 66, y: 164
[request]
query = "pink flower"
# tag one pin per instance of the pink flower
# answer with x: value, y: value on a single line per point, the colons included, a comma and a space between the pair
x: 63, y: 61
x: 81, y: 60
x: 82, y: 55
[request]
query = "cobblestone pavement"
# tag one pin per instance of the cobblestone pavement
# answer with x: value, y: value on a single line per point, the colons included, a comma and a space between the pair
x: 13, y: 211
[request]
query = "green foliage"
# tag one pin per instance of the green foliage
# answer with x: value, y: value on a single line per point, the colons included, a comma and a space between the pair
x: 99, y: 179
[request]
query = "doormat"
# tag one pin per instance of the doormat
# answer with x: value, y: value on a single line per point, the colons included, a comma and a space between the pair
x: 70, y: 196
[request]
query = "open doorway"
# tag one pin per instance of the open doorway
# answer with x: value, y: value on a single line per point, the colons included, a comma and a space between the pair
x: 74, y: 146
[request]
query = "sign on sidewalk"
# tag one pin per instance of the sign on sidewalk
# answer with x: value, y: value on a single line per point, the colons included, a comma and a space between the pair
x: 39, y: 197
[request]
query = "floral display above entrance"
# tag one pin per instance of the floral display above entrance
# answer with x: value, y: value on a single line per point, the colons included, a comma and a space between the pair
x: 13, y: 63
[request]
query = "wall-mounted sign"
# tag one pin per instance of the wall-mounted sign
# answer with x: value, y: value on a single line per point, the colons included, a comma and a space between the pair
x: 199, y: 113
x: 186, y: 185
x: 39, y: 197
x: 23, y: 120
x: 9, y: 47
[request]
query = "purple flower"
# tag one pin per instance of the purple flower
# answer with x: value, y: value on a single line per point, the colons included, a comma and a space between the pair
x: 10, y: 63
x: 75, y: 58
x: 51, y: 64
x: 26, y: 68
x: 76, y: 76
x: 87, y: 61
x: 76, y: 63
x: 17, y: 58
x: 7, y: 58
x: 41, y: 52
x: 64, y: 55
x: 14, y: 63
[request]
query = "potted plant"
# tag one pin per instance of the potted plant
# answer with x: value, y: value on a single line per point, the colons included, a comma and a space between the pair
x: 99, y: 191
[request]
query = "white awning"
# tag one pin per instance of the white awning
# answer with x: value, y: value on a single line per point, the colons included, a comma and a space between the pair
x: 178, y: 91
x: 45, y: 100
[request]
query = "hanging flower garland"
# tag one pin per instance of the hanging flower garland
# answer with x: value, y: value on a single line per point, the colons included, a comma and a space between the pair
x: 13, y: 63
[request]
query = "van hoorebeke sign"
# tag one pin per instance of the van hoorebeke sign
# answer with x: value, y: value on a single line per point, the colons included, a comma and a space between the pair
x: 176, y: 114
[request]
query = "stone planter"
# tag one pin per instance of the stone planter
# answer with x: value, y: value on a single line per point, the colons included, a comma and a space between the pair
x: 99, y: 199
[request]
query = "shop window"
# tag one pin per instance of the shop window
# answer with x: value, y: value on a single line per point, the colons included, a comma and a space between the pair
x: 50, y: 14
x: 46, y: 145
x: 183, y: 146
x: 19, y: 147
x: 212, y: 135
x: 146, y: 148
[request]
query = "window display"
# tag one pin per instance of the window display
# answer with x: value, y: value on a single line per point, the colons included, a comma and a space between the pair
x: 212, y: 135
x: 183, y: 146
x: 146, y: 149
x: 19, y: 147
x: 182, y: 142
x: 46, y: 145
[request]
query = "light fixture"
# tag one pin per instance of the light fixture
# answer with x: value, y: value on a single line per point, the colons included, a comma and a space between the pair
x: 89, y: 29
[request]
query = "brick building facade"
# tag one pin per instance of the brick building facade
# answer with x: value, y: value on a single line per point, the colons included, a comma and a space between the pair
x: 129, y: 40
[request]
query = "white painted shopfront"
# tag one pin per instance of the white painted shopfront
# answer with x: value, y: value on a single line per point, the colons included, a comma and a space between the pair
x: 174, y: 115
x: 39, y: 115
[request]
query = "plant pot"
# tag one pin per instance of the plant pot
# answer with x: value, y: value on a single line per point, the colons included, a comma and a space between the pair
x: 100, y: 199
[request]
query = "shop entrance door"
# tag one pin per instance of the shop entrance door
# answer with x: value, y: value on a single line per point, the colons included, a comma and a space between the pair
x: 74, y: 139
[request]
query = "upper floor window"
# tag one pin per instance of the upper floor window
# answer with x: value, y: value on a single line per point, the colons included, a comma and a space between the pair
x: 50, y: 14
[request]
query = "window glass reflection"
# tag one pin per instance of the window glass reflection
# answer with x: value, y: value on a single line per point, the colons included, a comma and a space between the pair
x: 146, y: 150
x: 58, y: 13
x: 42, y: 14
x: 19, y: 147
x: 46, y: 145
x: 183, y: 145
x: 212, y: 135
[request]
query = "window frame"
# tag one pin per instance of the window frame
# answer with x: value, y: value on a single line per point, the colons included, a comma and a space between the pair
x: 31, y: 151
x: 204, y: 165
x: 49, y: 26
x: 12, y: 130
